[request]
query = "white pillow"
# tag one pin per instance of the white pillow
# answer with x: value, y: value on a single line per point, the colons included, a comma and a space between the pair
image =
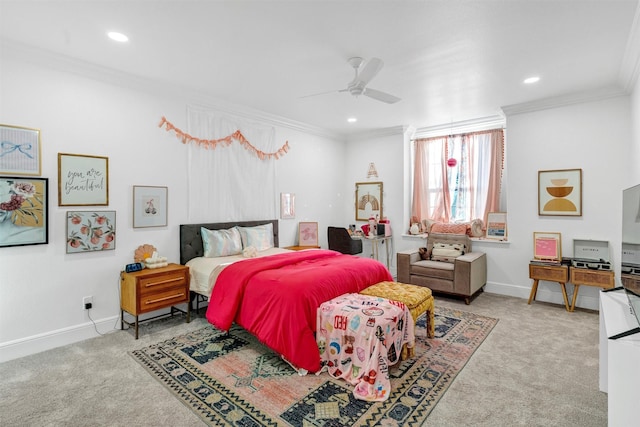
x: 447, y: 252
x: 221, y: 242
x: 260, y: 236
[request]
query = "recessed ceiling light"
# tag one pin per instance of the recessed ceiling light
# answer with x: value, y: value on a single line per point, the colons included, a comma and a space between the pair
x: 352, y: 120
x: 531, y: 80
x: 119, y: 37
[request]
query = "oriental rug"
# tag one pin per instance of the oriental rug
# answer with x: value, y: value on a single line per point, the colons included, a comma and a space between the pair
x: 234, y: 380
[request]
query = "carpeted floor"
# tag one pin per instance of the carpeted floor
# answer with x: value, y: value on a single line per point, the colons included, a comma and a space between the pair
x: 233, y: 378
x: 537, y: 367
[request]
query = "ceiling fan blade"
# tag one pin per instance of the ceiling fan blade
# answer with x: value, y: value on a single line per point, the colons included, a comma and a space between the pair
x: 321, y: 93
x: 372, y: 67
x: 380, y: 96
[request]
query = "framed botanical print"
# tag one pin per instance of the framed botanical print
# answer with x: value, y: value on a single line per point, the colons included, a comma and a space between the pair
x: 24, y: 213
x: 368, y: 200
x: 560, y: 192
x: 20, y: 151
x: 91, y: 231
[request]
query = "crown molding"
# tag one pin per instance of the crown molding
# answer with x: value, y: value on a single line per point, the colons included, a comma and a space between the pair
x: 59, y: 62
x: 630, y: 68
x: 471, y: 125
x: 564, y: 100
x: 377, y: 133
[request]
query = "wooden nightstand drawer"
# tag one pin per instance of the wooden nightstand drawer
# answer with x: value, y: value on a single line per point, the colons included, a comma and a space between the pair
x: 171, y: 280
x: 550, y: 273
x: 159, y: 300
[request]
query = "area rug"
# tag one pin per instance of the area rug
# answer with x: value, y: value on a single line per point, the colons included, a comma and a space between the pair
x: 234, y: 380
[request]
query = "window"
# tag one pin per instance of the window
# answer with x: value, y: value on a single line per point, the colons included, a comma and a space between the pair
x: 457, y: 178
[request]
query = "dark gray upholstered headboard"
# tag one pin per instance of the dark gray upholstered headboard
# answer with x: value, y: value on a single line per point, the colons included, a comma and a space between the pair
x: 191, y: 239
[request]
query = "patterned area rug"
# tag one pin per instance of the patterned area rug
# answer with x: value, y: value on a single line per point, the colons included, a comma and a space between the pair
x: 232, y: 379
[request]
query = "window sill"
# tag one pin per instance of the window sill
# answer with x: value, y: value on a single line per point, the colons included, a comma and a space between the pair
x: 473, y: 239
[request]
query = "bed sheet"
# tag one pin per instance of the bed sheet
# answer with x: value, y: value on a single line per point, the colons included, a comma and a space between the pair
x: 204, y: 271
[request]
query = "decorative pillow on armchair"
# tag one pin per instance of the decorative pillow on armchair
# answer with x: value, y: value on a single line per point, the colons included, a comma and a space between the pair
x: 441, y: 227
x: 447, y: 252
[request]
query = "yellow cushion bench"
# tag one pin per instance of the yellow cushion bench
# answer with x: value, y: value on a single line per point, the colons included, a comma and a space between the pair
x: 418, y: 300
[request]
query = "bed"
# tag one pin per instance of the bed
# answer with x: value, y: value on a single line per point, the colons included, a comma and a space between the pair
x: 275, y: 297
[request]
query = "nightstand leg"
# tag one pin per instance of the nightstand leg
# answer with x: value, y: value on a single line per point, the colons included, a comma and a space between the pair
x: 121, y: 320
x: 136, y: 327
x: 575, y: 296
x: 534, y: 291
x: 564, y: 295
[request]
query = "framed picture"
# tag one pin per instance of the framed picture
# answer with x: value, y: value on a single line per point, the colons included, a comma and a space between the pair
x: 19, y: 151
x: 308, y: 234
x: 497, y: 226
x: 83, y: 180
x: 287, y: 205
x: 24, y: 212
x: 560, y: 192
x: 368, y: 200
x: 89, y: 231
x: 149, y: 206
x: 547, y: 246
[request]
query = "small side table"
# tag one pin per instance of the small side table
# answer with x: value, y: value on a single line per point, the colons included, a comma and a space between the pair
x: 551, y: 273
x: 300, y: 248
x: 583, y: 276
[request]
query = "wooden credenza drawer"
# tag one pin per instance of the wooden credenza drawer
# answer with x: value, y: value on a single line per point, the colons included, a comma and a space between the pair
x: 551, y: 273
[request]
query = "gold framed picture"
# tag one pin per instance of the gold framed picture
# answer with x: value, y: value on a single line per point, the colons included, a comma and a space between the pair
x: 560, y: 192
x: 83, y: 180
x: 20, y: 151
x: 368, y: 200
x: 308, y: 234
x: 547, y: 246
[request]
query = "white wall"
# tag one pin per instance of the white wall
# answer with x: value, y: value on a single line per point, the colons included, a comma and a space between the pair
x: 41, y: 287
x: 592, y: 136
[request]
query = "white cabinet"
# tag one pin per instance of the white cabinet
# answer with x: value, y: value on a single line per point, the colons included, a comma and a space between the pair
x: 619, y: 359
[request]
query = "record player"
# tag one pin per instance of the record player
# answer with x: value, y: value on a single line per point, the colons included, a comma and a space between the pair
x: 630, y: 258
x: 591, y: 254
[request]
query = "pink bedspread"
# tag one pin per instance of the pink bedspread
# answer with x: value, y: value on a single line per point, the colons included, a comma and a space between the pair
x: 276, y: 297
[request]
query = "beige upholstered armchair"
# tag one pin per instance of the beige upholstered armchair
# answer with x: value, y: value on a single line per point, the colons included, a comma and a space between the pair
x: 446, y: 269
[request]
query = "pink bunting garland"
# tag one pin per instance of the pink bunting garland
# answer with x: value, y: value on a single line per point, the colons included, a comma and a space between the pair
x: 227, y: 140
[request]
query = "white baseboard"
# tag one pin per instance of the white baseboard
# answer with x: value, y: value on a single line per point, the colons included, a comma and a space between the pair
x: 46, y: 341
x: 545, y: 294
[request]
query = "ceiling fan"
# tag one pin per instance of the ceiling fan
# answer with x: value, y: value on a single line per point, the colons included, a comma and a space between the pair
x: 358, y: 86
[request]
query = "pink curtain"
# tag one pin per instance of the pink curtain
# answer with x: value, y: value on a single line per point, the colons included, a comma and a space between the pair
x: 476, y: 176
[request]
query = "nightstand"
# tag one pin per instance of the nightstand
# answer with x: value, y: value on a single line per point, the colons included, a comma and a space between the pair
x: 153, y: 289
x: 583, y: 276
x: 300, y: 248
x: 551, y: 273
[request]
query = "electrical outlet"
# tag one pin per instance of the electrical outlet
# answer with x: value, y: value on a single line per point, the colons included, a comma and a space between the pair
x: 87, y: 302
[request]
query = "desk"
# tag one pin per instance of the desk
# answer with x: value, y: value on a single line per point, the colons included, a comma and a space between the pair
x: 375, y: 241
x: 359, y: 337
